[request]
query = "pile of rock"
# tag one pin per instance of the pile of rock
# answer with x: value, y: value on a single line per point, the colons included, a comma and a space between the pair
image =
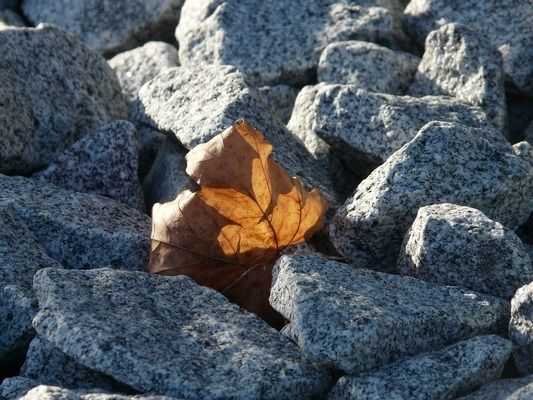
x: 415, y: 122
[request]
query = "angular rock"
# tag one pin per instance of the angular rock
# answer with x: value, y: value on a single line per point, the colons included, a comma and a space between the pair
x: 197, y: 103
x: 459, y: 62
x: 521, y: 329
x: 136, y: 67
x: 444, y: 163
x: 491, y: 19
x: 21, y: 257
x: 104, y: 162
x: 356, y: 320
x: 524, y: 150
x: 460, y: 246
x: 439, y: 375
x: 112, y: 26
x: 192, y: 342
x: 367, y: 66
x: 281, y: 99
x: 79, y: 230
x: 505, y: 389
x: 276, y: 42
x: 167, y: 177
x: 71, y: 91
x: 10, y: 19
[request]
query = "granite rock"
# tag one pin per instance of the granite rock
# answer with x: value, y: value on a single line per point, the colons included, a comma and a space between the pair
x: 524, y: 149
x: 108, y: 27
x: 356, y: 320
x: 491, y: 19
x: 505, y: 389
x: 367, y: 66
x: 445, y: 163
x: 521, y: 329
x: 459, y: 62
x: 71, y: 91
x: 277, y: 41
x: 192, y: 342
x: 455, y: 245
x: 10, y: 19
x: 197, y: 103
x: 79, y: 230
x: 281, y: 99
x: 439, y: 375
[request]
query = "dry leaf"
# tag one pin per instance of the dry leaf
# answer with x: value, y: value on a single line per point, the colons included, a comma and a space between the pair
x: 248, y: 209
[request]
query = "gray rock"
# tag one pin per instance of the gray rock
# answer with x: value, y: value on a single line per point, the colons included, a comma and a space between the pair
x: 521, y: 329
x: 492, y: 20
x: 357, y: 320
x: 10, y: 19
x: 460, y: 246
x: 71, y: 91
x: 136, y: 67
x: 21, y: 256
x: 281, y: 99
x: 197, y: 103
x: 167, y: 177
x: 368, y: 66
x: 366, y: 128
x: 444, y: 163
x: 459, y: 62
x: 192, y: 342
x: 505, y: 389
x: 276, y: 41
x: 79, y: 230
x: 150, y: 141
x: 104, y: 162
x: 112, y: 26
x: 440, y: 375
x: 9, y: 4
x: 524, y: 150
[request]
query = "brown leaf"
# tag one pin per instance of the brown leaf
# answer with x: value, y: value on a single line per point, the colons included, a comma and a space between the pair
x: 247, y: 210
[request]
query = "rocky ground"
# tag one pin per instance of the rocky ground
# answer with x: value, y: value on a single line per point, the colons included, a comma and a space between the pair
x: 414, y: 119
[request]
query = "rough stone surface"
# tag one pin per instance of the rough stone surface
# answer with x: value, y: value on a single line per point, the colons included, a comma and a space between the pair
x: 79, y: 230
x: 281, y: 99
x: 521, y: 329
x: 276, y: 41
x: 491, y: 19
x: 357, y: 320
x: 368, y: 66
x: 455, y: 245
x: 71, y: 91
x: 524, y: 150
x: 212, y: 349
x: 197, y: 103
x: 444, y: 163
x: 459, y: 62
x: 21, y: 256
x: 111, y: 26
x: 505, y: 389
x: 10, y: 19
x: 167, y: 177
x: 440, y: 375
x: 104, y: 162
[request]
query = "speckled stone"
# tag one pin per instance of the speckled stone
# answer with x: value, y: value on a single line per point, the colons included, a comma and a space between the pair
x: 440, y: 375
x: 521, y: 329
x: 455, y: 245
x: 459, y: 62
x: 445, y: 163
x: 276, y: 41
x: 10, y: 19
x: 368, y: 66
x: 505, y: 389
x: 71, y: 91
x: 357, y: 320
x: 197, y: 103
x: 21, y: 256
x: 104, y: 162
x: 524, y: 149
x: 492, y: 20
x: 167, y: 177
x: 136, y: 67
x: 192, y: 342
x: 79, y: 230
x: 280, y: 98
x: 368, y: 127
x: 111, y: 26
